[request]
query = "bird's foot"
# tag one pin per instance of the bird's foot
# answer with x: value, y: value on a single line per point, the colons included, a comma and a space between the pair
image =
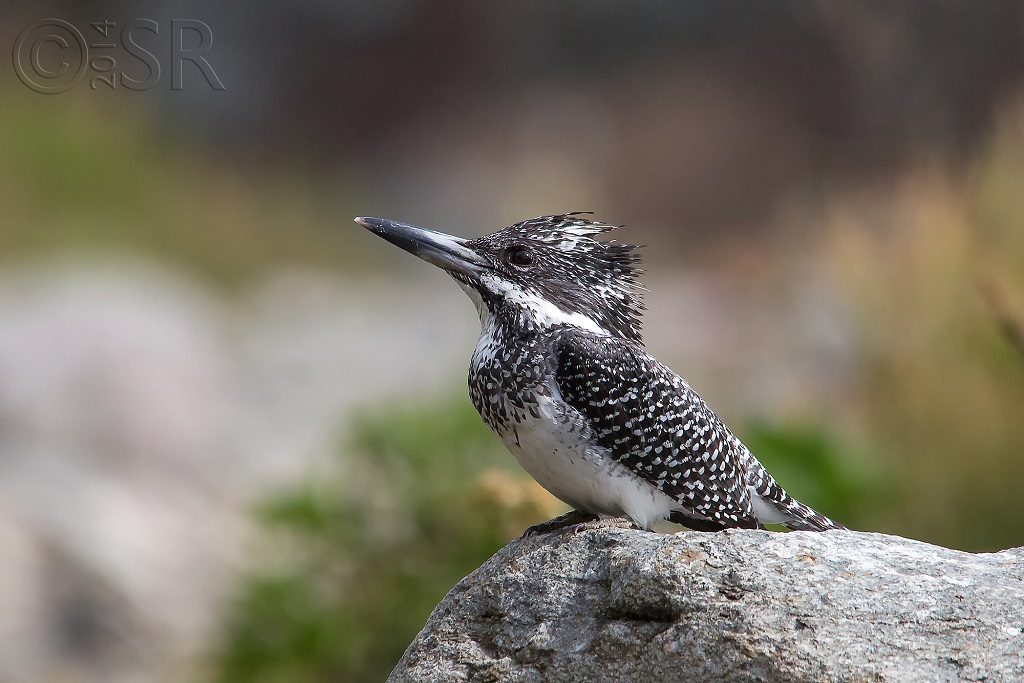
x: 572, y: 518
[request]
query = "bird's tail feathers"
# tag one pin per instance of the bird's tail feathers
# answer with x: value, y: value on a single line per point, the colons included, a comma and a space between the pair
x: 804, y: 518
x: 791, y: 513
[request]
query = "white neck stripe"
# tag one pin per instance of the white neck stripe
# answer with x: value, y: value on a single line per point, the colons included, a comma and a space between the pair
x: 541, y: 311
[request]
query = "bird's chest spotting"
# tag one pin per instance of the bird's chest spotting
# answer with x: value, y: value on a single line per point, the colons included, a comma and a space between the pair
x: 520, y: 402
x: 507, y: 382
x: 514, y: 390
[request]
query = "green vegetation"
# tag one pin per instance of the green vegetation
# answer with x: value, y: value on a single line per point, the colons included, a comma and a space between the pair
x: 357, y: 559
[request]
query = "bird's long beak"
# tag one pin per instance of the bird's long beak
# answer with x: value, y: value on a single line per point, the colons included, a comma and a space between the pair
x: 445, y: 251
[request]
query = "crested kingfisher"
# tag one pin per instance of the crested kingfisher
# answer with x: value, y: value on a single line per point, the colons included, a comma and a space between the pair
x: 561, y: 375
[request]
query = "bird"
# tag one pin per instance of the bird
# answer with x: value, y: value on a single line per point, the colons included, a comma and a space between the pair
x: 561, y: 375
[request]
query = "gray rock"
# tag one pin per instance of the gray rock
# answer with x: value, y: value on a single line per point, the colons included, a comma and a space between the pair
x: 608, y: 603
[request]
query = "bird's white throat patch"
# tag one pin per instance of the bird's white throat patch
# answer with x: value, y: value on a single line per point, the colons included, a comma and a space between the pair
x: 543, y: 312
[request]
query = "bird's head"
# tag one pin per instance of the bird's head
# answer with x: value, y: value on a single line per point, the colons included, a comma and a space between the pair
x: 543, y: 272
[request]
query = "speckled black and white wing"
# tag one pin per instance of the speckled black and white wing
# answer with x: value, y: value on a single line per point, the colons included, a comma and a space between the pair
x: 654, y: 424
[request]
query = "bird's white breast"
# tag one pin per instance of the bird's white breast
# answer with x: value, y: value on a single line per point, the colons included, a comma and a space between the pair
x: 577, y: 471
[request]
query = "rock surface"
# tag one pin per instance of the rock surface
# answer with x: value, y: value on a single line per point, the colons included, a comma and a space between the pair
x: 606, y: 603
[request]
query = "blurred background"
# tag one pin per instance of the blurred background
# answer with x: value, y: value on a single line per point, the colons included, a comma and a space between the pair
x: 235, y: 440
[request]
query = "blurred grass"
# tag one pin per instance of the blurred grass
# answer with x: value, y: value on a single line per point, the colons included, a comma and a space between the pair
x: 82, y: 177
x: 942, y: 385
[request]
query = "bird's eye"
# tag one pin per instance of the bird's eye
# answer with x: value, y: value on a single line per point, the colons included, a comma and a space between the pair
x: 519, y: 256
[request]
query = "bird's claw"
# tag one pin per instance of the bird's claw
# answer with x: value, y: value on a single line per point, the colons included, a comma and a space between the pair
x: 574, y: 518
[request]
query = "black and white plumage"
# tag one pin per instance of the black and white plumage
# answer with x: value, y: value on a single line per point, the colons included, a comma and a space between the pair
x: 561, y: 376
